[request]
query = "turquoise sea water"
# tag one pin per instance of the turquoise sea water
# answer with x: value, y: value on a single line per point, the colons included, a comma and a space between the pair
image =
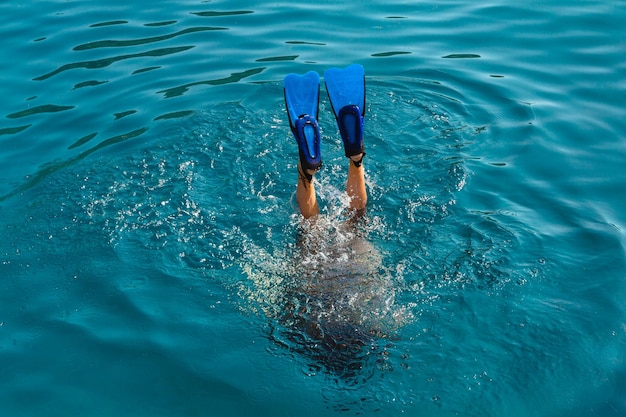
x: 149, y: 257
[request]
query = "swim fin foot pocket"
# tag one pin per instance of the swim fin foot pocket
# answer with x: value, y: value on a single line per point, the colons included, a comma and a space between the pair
x: 302, y: 102
x: 307, y: 133
x: 350, y: 124
x: 346, y: 90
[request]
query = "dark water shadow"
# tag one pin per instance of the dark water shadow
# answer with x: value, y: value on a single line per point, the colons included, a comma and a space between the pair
x: 105, y: 62
x: 232, y: 78
x: 142, y: 41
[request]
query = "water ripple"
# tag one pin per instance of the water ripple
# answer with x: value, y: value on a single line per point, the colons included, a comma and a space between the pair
x: 461, y: 56
x: 278, y: 58
x: 105, y: 62
x: 390, y: 53
x: 13, y: 130
x: 221, y: 14
x: 139, y: 71
x: 175, y: 115
x: 124, y: 114
x: 111, y: 23
x: 46, y: 108
x: 48, y: 169
x: 83, y: 140
x: 233, y: 78
x: 165, y: 23
x: 143, y: 41
x: 90, y: 83
x: 305, y: 43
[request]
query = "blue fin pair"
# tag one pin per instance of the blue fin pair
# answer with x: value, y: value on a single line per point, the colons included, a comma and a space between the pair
x: 346, y: 90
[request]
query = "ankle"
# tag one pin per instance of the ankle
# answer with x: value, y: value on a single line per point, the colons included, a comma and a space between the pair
x: 357, y: 160
x: 306, y: 175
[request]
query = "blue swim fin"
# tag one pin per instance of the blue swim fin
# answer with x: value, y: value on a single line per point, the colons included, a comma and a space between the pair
x: 346, y: 90
x: 302, y: 100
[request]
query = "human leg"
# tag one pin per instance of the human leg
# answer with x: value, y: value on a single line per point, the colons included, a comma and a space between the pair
x: 355, y: 186
x: 305, y: 193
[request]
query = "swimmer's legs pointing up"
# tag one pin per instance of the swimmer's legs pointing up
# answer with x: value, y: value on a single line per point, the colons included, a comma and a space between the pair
x: 355, y: 188
x: 346, y: 90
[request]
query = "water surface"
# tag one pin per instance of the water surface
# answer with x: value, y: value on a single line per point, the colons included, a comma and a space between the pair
x: 151, y: 256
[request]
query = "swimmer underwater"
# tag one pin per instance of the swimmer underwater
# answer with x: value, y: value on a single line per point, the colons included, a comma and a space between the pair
x: 343, y: 300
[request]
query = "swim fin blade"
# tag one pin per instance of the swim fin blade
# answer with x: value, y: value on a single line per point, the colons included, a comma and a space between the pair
x: 302, y: 102
x: 346, y: 90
